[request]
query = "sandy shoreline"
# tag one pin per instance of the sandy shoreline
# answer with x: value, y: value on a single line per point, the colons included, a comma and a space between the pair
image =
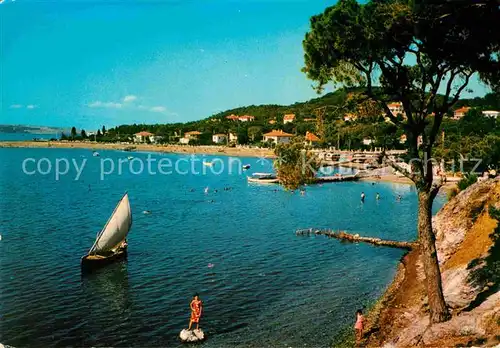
x: 180, y: 149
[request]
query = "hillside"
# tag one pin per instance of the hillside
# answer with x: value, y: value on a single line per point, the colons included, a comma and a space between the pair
x: 468, y: 243
x: 5, y: 128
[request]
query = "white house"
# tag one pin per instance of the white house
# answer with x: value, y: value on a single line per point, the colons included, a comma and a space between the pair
x: 193, y: 135
x: 219, y: 138
x: 367, y: 141
x: 397, y: 109
x: 143, y: 136
x: 278, y: 137
x: 459, y: 113
x: 491, y: 113
x: 244, y: 118
x: 288, y: 118
x: 233, y: 138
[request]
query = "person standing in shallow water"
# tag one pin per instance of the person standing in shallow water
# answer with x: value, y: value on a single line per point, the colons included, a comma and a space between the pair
x: 196, y: 310
x: 362, y: 197
x: 358, y: 327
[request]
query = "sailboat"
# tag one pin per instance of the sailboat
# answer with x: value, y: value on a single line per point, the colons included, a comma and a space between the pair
x: 110, y: 244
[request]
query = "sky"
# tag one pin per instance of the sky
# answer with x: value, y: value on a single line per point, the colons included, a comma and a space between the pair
x: 88, y: 63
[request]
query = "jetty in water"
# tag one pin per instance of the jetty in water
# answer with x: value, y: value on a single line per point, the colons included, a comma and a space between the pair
x: 355, y: 238
x: 337, y: 178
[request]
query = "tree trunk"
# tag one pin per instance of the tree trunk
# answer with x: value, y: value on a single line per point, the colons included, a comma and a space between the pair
x: 437, y: 305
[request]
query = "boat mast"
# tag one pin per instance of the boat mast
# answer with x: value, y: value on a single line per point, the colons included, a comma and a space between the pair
x: 107, y: 222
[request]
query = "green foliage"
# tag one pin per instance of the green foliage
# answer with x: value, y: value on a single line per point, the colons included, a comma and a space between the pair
x: 466, y: 181
x: 358, y: 45
x: 73, y: 132
x: 83, y: 134
x: 255, y: 133
x: 296, y: 165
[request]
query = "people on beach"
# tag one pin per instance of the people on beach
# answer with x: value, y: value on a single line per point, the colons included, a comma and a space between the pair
x: 358, y: 327
x: 196, y: 311
x: 362, y: 197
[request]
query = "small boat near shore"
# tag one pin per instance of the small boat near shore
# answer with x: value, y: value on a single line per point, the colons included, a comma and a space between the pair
x: 246, y: 166
x: 111, y: 243
x: 95, y: 154
x: 263, y: 178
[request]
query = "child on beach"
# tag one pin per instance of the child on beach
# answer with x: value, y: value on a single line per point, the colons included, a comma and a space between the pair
x: 358, y: 327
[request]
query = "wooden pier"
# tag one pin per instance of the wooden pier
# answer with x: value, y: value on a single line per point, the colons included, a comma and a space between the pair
x: 337, y: 178
x: 355, y: 238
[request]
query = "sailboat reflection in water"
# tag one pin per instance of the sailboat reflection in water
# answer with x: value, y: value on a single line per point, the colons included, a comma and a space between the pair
x: 111, y: 243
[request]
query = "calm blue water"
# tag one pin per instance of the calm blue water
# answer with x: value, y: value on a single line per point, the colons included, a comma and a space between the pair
x: 267, y: 286
x: 25, y: 136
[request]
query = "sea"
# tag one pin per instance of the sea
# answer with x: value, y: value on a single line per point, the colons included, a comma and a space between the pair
x: 196, y: 229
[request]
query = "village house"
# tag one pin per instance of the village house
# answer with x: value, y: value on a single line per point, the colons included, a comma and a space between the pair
x: 278, y: 137
x: 188, y: 136
x: 491, y: 113
x: 233, y: 138
x: 244, y: 118
x: 288, y: 118
x: 403, y: 139
x: 350, y: 117
x: 311, y: 138
x: 144, y: 136
x: 368, y: 141
x: 396, y: 109
x: 219, y: 138
x: 461, y: 112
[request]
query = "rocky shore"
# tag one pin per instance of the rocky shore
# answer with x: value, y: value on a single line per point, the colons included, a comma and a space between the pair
x: 468, y: 240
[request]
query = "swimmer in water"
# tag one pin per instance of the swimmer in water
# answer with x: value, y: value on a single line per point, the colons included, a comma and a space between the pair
x: 378, y: 196
x: 362, y: 197
x: 206, y: 190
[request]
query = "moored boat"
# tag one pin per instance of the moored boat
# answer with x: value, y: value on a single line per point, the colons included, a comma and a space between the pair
x: 246, y: 166
x: 263, y: 178
x: 111, y: 243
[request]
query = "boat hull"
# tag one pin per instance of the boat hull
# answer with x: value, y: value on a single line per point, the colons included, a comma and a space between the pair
x: 264, y: 181
x: 90, y: 263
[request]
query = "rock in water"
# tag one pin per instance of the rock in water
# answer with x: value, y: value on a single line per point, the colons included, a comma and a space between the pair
x: 192, y: 336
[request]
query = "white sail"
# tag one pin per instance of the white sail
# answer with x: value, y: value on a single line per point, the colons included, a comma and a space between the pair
x: 116, y: 229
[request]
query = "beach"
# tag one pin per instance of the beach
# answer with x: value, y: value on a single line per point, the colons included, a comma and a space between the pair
x: 180, y: 149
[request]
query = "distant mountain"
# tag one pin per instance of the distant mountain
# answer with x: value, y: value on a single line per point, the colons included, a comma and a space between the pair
x: 8, y: 128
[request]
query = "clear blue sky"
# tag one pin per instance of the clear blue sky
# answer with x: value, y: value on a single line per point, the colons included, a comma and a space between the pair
x: 91, y: 63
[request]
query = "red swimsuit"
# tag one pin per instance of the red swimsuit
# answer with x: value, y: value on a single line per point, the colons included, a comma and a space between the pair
x: 195, y: 311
